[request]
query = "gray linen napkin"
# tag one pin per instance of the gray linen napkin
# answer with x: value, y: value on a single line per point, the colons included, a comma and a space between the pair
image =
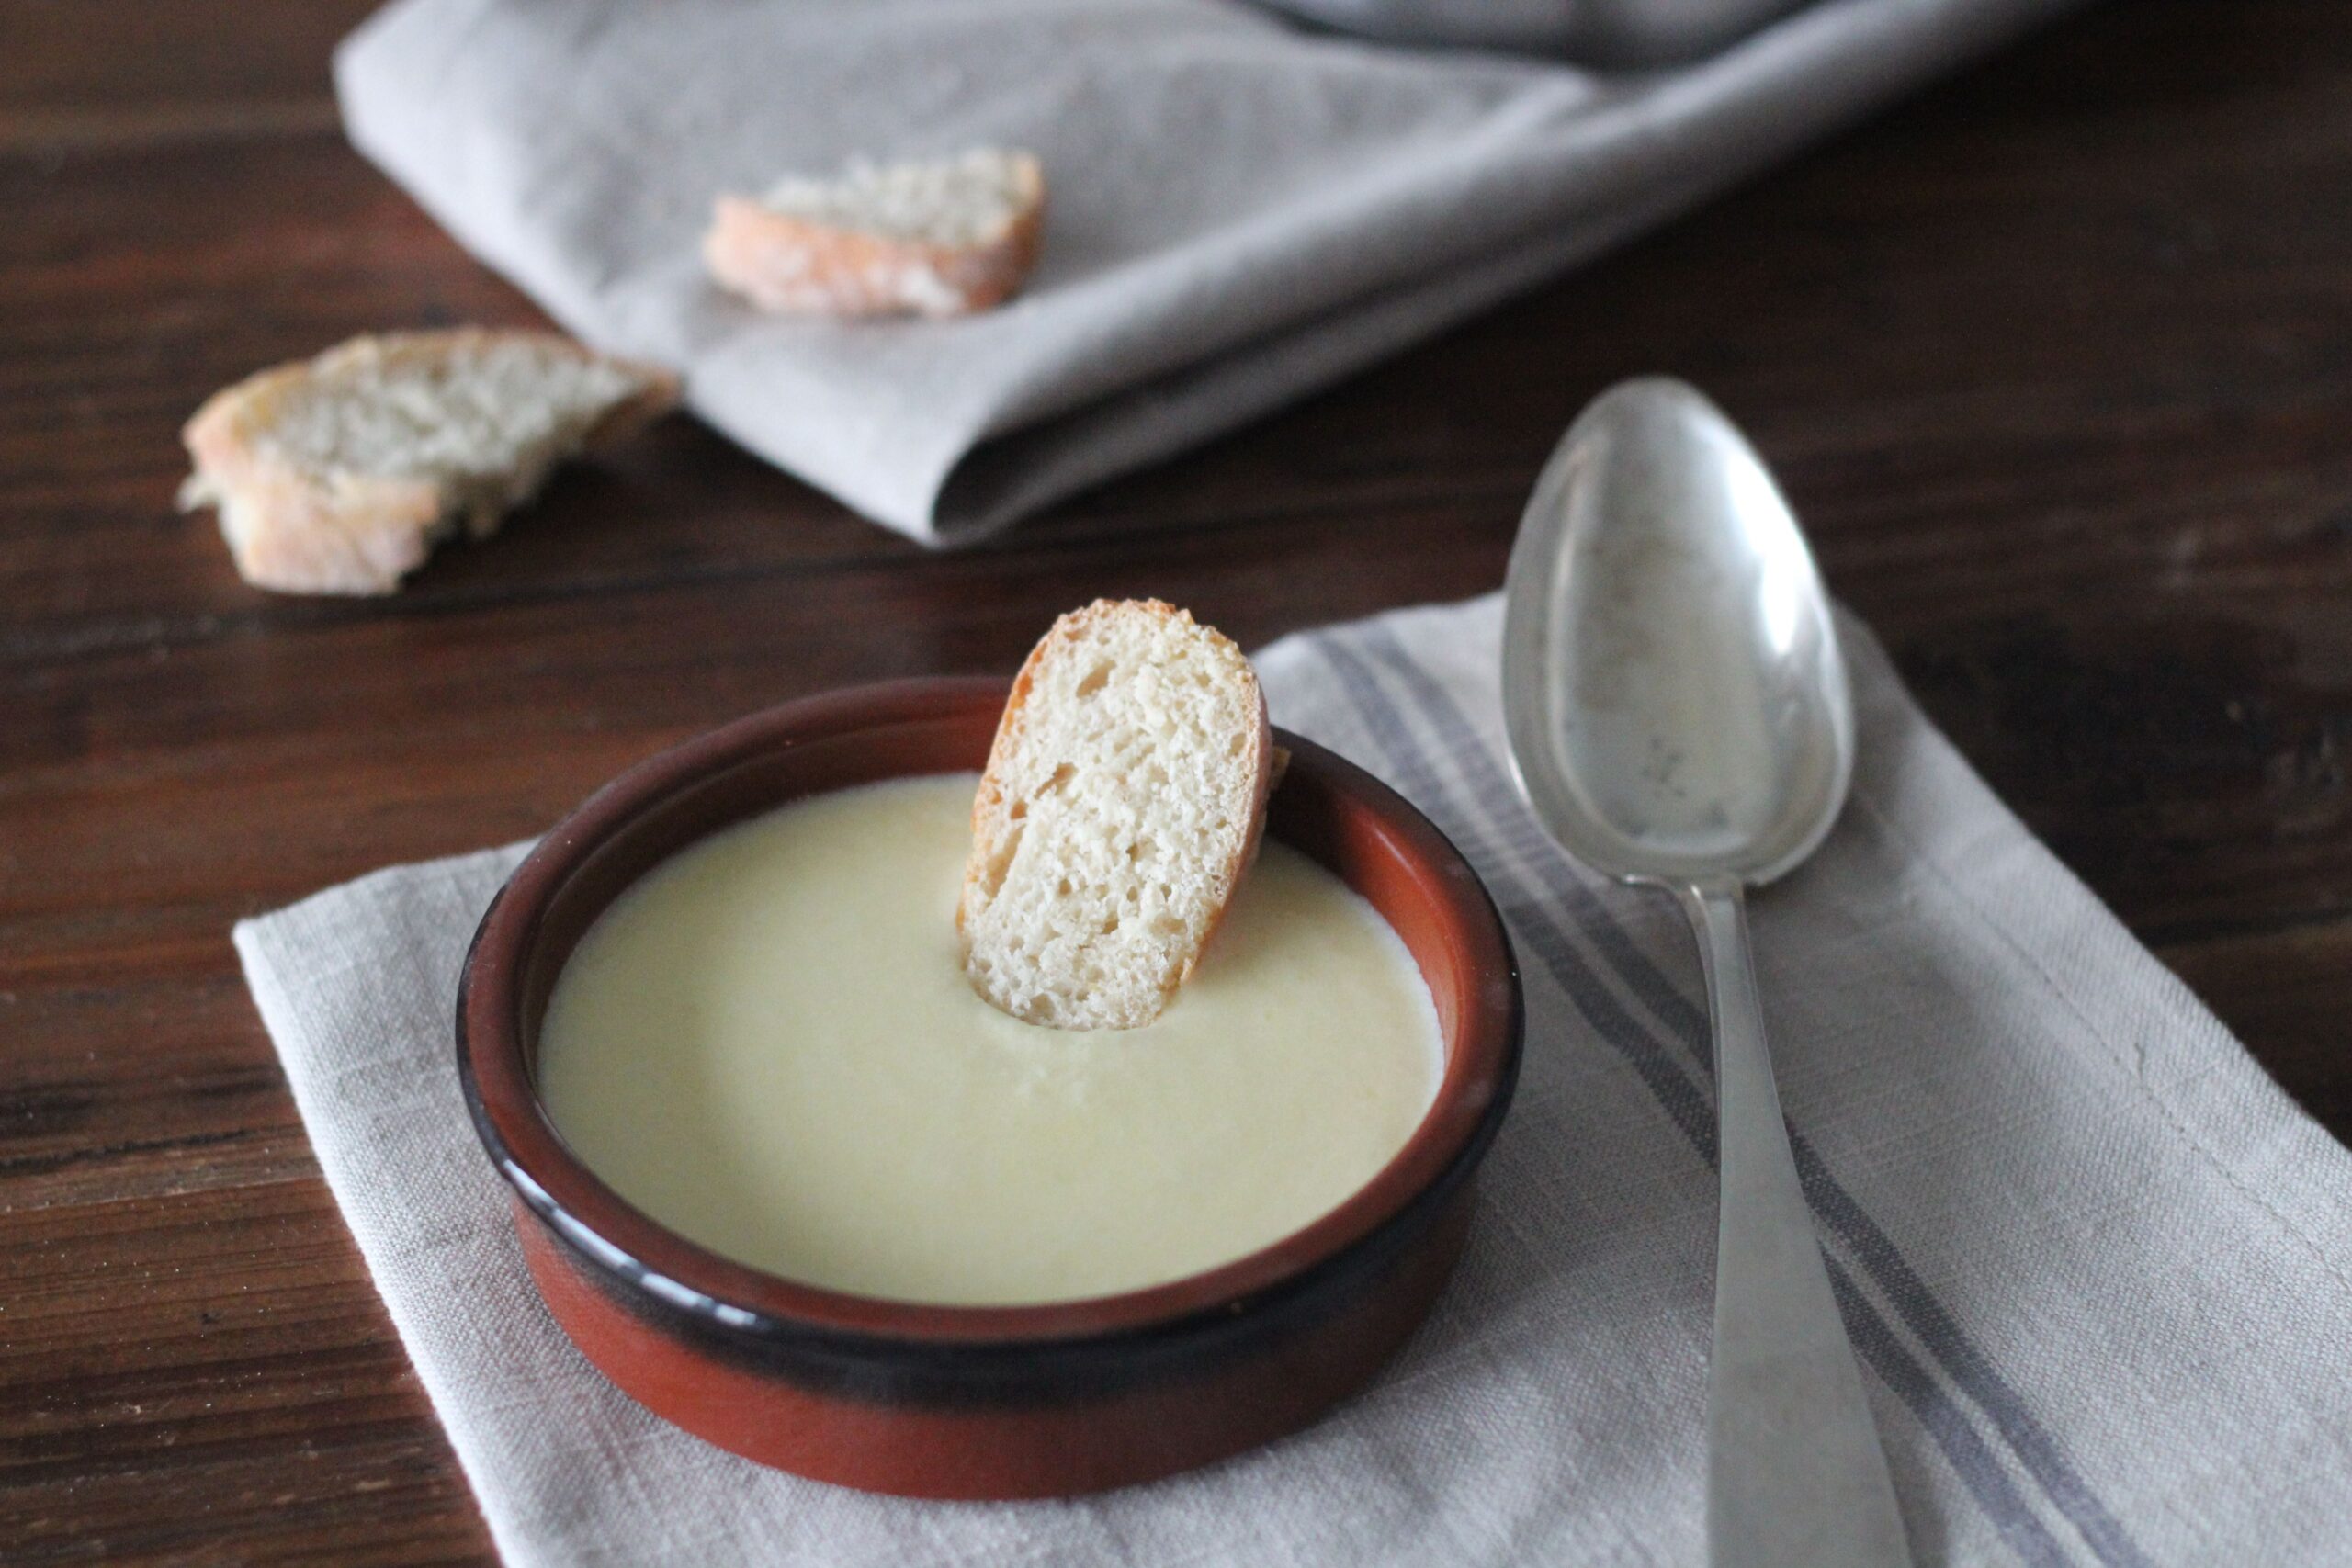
x: 1241, y: 211
x: 2094, y: 1262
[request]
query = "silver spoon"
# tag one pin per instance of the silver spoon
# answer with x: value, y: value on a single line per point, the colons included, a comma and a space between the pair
x: 1679, y: 716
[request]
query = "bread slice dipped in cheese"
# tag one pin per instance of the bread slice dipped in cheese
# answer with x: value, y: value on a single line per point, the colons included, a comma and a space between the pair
x: 1123, y: 803
x: 339, y: 474
x: 940, y: 238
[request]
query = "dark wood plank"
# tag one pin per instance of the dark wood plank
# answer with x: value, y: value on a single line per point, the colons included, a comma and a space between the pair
x: 235, y: 1351
x: 79, y: 76
x: 2055, y: 362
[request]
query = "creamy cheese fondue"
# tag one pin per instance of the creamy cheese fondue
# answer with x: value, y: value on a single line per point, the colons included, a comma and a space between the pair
x: 768, y: 1045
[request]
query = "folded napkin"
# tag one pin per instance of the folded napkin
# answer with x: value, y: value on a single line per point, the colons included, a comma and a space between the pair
x: 1241, y: 211
x: 2094, y: 1261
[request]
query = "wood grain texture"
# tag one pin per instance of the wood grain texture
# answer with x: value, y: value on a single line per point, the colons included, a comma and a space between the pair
x: 2056, y: 362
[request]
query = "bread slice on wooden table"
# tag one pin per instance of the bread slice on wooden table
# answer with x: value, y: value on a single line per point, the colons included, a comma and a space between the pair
x: 941, y: 238
x: 338, y: 474
x: 1123, y: 803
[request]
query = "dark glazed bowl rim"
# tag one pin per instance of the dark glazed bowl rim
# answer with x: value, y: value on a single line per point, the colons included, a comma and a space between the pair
x: 742, y: 1300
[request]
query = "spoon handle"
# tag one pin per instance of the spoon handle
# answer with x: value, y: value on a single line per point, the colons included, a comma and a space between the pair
x: 1795, y: 1476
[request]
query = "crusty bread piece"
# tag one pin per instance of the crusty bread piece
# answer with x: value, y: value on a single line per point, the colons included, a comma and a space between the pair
x: 932, y: 239
x: 1122, y: 803
x: 338, y: 474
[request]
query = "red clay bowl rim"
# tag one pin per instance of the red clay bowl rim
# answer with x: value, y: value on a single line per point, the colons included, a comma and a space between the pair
x: 533, y: 1156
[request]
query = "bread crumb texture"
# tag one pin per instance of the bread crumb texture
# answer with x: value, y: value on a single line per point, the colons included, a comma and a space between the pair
x: 1122, y: 803
x: 338, y: 474
x: 941, y: 237
x: 955, y: 201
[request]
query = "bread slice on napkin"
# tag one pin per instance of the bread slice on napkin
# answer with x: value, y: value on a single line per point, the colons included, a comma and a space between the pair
x: 338, y: 474
x: 941, y: 238
x: 1122, y: 803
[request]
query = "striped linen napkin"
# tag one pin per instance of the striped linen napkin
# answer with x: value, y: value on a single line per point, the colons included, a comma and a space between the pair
x: 2094, y: 1261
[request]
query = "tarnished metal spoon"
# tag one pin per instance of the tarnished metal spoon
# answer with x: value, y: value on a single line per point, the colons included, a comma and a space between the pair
x: 1603, y: 32
x: 1679, y: 716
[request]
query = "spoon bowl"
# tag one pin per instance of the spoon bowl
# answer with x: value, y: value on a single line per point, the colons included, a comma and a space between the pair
x: 1678, y: 707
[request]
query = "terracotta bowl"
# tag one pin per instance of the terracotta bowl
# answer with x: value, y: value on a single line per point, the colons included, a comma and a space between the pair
x: 978, y: 1401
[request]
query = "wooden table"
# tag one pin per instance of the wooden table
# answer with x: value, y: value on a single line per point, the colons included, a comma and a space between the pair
x: 2056, y: 362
